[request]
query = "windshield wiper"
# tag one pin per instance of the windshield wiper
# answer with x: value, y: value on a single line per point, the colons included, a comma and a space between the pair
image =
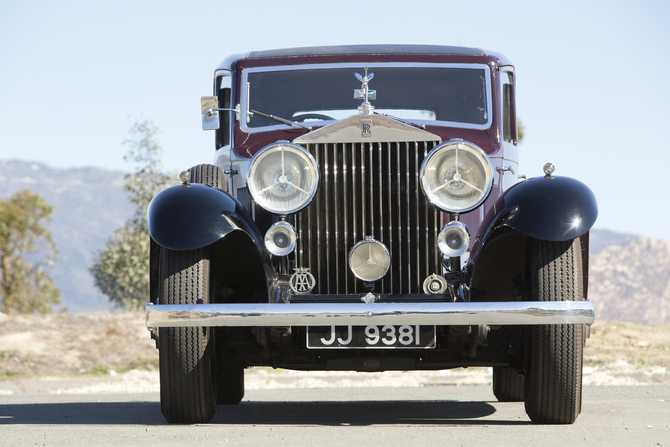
x: 282, y: 120
x: 420, y: 126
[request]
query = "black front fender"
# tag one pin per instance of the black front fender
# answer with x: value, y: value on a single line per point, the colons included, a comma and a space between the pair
x: 551, y: 209
x: 187, y: 217
x: 547, y: 208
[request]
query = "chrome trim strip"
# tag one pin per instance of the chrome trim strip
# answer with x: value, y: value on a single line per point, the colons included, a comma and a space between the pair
x: 328, y: 219
x: 399, y: 214
x: 336, y: 228
x: 380, y: 197
x: 361, y: 65
x: 417, y: 212
x: 326, y: 314
x: 319, y: 213
x: 354, y: 191
x: 408, y: 201
x: 371, y: 188
x: 390, y: 210
x: 342, y: 148
x: 364, y: 187
x: 427, y: 217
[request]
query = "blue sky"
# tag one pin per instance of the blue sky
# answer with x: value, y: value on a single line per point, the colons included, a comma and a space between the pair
x: 593, y: 85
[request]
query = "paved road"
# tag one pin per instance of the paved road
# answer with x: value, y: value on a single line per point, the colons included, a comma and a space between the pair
x: 438, y: 415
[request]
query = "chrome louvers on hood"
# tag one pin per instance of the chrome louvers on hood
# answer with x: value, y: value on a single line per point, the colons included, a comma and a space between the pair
x: 373, y: 128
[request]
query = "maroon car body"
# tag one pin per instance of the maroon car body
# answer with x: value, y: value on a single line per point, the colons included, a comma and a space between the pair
x: 365, y: 212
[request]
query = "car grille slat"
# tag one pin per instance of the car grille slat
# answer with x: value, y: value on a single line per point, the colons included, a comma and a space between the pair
x: 397, y: 216
x: 408, y: 227
x: 369, y: 189
x: 328, y: 223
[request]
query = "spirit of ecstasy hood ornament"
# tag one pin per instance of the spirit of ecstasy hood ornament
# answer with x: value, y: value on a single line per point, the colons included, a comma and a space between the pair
x: 366, y: 108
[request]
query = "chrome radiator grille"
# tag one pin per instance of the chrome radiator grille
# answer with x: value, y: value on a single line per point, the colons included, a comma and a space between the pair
x: 369, y: 189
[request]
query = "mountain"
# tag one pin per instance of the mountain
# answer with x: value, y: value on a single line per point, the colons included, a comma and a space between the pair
x: 631, y: 282
x: 629, y: 278
x: 600, y: 239
x: 89, y: 204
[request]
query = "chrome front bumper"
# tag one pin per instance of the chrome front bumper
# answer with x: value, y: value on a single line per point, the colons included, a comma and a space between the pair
x: 355, y: 314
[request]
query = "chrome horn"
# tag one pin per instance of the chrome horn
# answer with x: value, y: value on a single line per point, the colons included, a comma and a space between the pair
x: 454, y: 239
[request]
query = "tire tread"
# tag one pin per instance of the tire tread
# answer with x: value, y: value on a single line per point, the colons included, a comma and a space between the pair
x: 187, y: 388
x: 508, y: 385
x: 209, y: 175
x: 554, y: 382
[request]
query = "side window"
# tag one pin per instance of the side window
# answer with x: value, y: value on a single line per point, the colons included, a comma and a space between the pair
x: 224, y: 95
x: 509, y: 114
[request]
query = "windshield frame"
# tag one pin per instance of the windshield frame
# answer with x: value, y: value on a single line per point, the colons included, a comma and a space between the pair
x: 244, y: 93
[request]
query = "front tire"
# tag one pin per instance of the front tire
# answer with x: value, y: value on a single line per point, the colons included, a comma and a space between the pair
x: 186, y: 354
x: 554, y: 367
x: 508, y: 385
x: 230, y: 385
x: 209, y: 175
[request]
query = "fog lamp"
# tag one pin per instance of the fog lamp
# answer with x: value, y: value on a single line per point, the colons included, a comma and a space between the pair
x: 454, y: 239
x: 280, y: 239
x: 369, y: 260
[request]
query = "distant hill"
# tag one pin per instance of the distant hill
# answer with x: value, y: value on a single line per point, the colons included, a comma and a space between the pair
x: 631, y: 282
x: 89, y: 204
x: 629, y: 275
x: 600, y: 239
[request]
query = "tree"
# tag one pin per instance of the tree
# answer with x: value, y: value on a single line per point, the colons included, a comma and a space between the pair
x: 121, y: 270
x: 520, y: 129
x: 25, y: 287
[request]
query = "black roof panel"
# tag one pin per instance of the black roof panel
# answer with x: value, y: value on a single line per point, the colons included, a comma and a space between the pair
x: 366, y: 49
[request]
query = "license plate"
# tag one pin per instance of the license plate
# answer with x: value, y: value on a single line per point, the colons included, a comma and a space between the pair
x: 371, y: 337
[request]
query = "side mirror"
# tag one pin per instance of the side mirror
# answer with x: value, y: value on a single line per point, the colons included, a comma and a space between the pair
x: 209, y: 106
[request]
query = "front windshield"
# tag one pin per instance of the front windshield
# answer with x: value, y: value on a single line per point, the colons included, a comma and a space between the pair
x: 455, y: 95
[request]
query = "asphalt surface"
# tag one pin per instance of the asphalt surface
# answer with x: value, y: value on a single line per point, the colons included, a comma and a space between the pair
x: 431, y: 415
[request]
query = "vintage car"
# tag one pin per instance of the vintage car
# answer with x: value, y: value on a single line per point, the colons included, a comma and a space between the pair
x: 365, y: 212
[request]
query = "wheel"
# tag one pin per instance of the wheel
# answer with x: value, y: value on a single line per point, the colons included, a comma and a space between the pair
x: 230, y: 386
x: 209, y: 175
x: 508, y: 385
x: 186, y: 354
x: 314, y: 116
x: 555, y: 352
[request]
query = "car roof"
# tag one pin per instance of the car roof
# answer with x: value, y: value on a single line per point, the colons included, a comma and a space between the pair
x: 359, y: 50
x: 348, y: 50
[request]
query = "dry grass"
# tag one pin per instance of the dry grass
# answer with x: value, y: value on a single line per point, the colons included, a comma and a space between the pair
x: 638, y: 344
x: 74, y: 344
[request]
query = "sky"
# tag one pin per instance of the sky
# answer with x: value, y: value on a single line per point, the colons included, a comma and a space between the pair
x: 592, y: 79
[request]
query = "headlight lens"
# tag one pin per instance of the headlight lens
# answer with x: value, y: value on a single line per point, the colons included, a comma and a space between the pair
x: 283, y: 178
x: 456, y: 176
x: 369, y: 260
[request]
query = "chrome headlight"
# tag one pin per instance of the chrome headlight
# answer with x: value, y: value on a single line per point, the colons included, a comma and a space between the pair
x: 283, y: 178
x: 456, y: 176
x: 369, y: 259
